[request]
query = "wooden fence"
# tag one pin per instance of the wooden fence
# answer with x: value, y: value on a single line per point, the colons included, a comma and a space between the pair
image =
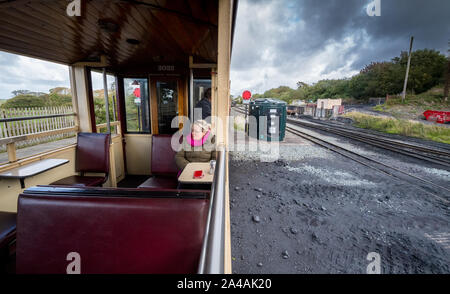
x: 29, y: 126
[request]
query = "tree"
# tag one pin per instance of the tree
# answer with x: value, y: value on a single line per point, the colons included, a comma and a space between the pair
x: 284, y: 93
x: 302, y: 85
x: 54, y: 99
x: 375, y: 80
x: 23, y: 101
x: 41, y: 100
x: 427, y: 68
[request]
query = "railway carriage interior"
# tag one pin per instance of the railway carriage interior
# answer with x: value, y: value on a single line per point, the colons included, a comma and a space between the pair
x: 112, y: 200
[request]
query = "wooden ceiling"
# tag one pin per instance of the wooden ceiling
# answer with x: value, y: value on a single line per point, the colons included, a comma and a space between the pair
x: 167, y: 31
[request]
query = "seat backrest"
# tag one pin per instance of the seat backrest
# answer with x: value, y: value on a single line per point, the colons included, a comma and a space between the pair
x: 7, y: 227
x: 163, y: 156
x: 92, y: 153
x: 110, y: 234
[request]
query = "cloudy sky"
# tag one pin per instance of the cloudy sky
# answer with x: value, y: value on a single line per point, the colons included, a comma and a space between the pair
x: 23, y: 73
x: 281, y: 42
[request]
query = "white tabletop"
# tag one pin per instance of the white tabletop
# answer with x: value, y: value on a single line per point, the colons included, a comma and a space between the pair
x: 187, y: 176
x: 33, y: 169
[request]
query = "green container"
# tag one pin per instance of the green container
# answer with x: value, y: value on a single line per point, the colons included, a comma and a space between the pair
x: 273, y: 110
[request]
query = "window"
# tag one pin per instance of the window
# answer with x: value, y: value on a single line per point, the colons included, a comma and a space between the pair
x: 98, y: 94
x: 167, y: 94
x: 137, y: 110
x: 200, y: 86
x: 29, y: 88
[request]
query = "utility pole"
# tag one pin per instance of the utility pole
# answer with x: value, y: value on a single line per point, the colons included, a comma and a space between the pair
x: 447, y: 76
x: 447, y: 81
x: 407, y: 69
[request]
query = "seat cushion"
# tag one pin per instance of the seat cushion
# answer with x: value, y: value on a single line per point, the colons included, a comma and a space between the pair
x: 163, y: 156
x: 7, y: 227
x: 110, y: 235
x: 80, y: 181
x: 92, y: 153
x: 160, y: 182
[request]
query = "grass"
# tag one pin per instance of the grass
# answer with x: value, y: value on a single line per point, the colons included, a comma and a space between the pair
x: 380, y: 107
x: 414, y: 105
x: 401, y: 127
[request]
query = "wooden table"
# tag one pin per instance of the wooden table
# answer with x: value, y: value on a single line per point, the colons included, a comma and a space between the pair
x: 187, y: 176
x: 32, y: 169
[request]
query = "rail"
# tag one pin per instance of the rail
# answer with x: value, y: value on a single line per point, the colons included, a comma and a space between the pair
x: 212, y: 255
x: 39, y: 128
x: 377, y: 165
x: 417, y: 151
x: 22, y: 127
x: 12, y: 119
x: 99, y: 127
x: 11, y: 141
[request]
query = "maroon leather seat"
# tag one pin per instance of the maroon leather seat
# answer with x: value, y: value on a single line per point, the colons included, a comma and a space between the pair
x: 92, y: 155
x: 160, y: 181
x: 110, y: 234
x: 7, y: 228
x: 163, y: 167
x: 80, y: 181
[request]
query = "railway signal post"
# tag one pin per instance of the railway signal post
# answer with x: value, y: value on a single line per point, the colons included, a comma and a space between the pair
x: 246, y: 100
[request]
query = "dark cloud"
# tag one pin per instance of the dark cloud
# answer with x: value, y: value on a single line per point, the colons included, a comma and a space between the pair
x: 285, y: 36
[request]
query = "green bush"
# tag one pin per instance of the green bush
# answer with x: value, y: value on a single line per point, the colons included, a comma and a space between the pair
x: 31, y: 101
x: 375, y: 80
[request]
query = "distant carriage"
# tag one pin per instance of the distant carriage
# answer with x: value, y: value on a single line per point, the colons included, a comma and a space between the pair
x: 293, y: 110
x: 312, y: 109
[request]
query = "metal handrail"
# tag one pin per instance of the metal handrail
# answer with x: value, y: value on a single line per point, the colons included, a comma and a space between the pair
x: 212, y: 258
x: 2, y: 120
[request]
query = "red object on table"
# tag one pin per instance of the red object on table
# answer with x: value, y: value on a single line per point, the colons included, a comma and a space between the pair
x: 440, y: 117
x: 198, y: 174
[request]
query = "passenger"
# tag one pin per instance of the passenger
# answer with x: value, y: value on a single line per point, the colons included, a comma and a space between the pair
x: 199, y: 146
x: 205, y: 105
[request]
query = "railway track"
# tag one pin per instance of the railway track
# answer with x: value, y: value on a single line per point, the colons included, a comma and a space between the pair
x: 379, y: 166
x: 360, y: 130
x: 422, y: 184
x: 436, y: 156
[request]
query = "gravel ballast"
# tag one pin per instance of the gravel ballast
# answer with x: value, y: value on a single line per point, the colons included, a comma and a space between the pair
x: 313, y: 211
